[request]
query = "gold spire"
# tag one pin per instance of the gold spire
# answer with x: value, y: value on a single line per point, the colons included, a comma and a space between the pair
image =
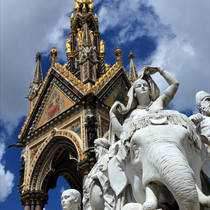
x: 118, y: 54
x: 133, y: 72
x: 72, y: 16
x: 53, y: 56
x: 38, y: 71
x: 96, y: 17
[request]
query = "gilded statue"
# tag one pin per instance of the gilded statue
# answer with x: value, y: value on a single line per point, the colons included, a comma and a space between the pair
x: 79, y: 37
x: 76, y: 4
x: 91, y: 36
x: 102, y: 46
x: 91, y: 4
x: 68, y: 45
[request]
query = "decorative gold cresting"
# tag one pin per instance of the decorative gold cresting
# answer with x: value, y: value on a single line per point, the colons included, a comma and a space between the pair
x: 107, y: 66
x: 53, y: 56
x: 133, y: 72
x: 118, y: 55
x: 62, y: 69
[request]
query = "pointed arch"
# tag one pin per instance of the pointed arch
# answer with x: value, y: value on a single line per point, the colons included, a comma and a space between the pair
x: 57, y: 156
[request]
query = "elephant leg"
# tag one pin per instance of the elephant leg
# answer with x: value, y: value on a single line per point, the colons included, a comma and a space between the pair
x: 203, y: 199
x: 151, y: 197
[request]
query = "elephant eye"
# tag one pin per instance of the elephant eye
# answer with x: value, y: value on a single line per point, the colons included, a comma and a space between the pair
x: 135, y: 151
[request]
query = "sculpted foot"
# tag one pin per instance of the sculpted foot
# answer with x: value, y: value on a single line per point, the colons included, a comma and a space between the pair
x: 150, y: 204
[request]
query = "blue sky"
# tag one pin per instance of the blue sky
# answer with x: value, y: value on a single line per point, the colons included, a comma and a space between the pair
x: 171, y: 34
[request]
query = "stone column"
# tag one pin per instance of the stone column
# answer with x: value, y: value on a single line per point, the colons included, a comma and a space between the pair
x: 27, y: 207
x: 33, y: 200
x: 73, y: 40
x: 38, y: 207
x: 96, y: 36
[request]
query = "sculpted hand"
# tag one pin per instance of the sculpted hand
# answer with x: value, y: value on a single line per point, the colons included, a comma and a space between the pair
x: 196, y: 118
x: 149, y: 70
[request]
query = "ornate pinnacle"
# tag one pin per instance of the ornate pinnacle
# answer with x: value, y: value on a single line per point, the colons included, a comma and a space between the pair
x: 72, y: 16
x: 133, y: 72
x: 96, y: 17
x: 53, y: 56
x: 38, y: 56
x: 131, y: 56
x: 118, y: 54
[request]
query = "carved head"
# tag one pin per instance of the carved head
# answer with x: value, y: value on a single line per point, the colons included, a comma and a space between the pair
x: 141, y: 87
x: 71, y: 200
x: 101, y: 147
x: 203, y: 102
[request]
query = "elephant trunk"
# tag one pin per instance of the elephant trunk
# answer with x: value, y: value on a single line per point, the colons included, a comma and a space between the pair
x: 175, y: 173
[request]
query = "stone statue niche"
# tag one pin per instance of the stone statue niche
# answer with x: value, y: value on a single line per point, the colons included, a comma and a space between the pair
x: 71, y: 200
x: 154, y: 157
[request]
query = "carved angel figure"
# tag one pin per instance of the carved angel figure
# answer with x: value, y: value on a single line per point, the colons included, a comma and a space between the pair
x: 79, y: 37
x: 102, y: 46
x: 68, y: 45
x: 92, y: 36
x: 76, y: 4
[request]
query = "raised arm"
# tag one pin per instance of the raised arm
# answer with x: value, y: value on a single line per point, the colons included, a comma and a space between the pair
x: 170, y: 92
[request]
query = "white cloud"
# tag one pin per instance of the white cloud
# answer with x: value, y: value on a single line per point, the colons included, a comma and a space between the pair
x: 27, y: 28
x: 181, y: 31
x: 6, y: 177
x: 186, y: 55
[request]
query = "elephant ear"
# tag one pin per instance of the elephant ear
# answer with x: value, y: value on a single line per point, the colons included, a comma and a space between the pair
x: 117, y: 176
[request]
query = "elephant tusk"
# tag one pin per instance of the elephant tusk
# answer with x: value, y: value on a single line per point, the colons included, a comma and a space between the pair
x: 158, y: 121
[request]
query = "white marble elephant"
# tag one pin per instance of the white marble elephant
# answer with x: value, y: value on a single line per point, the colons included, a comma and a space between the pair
x: 159, y: 152
x: 159, y: 159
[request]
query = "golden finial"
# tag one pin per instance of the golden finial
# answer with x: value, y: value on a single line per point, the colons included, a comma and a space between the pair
x: 133, y: 72
x: 72, y: 16
x: 53, y: 56
x: 131, y: 56
x: 38, y: 56
x: 96, y: 17
x: 118, y: 54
